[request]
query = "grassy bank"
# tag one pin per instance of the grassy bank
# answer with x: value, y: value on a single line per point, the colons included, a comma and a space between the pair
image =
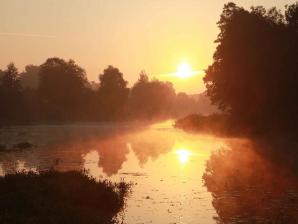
x: 217, y: 124
x: 59, y: 197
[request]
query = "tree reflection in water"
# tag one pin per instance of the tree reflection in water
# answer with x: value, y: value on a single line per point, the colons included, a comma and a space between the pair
x: 246, y: 188
x: 68, y: 151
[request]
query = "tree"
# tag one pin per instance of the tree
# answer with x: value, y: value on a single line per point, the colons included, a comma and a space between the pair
x: 30, y: 77
x: 185, y: 105
x: 62, y: 90
x: 254, y: 74
x: 10, y: 95
x: 1, y: 75
x: 10, y: 78
x: 291, y: 15
x: 112, y: 93
x: 151, y: 99
x: 29, y: 81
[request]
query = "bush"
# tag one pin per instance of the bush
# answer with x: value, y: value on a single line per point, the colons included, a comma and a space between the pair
x: 59, y: 197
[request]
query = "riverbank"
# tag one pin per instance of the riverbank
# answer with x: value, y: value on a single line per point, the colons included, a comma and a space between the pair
x: 214, y: 124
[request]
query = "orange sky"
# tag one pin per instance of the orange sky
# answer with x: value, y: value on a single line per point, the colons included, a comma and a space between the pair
x: 154, y: 35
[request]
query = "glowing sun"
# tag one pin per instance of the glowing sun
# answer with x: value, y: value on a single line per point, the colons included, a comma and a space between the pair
x: 184, y: 71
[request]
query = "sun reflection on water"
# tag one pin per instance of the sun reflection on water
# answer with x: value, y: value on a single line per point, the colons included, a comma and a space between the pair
x: 183, y: 155
x: 164, y: 165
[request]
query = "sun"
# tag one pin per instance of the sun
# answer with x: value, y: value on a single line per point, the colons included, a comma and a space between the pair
x: 183, y: 155
x: 184, y: 71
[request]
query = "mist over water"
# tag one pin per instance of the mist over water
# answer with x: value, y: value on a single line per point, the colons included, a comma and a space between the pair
x: 167, y: 167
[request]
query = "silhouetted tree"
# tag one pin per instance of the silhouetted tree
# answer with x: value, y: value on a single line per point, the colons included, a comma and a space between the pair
x: 30, y: 77
x: 29, y: 81
x: 254, y: 76
x: 112, y: 93
x: 1, y: 75
x: 291, y: 15
x: 151, y: 99
x: 10, y: 96
x: 58, y: 91
x: 62, y: 90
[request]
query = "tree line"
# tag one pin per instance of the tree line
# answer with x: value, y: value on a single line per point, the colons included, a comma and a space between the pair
x: 59, y: 91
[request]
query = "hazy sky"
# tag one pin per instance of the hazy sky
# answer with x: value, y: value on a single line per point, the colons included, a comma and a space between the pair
x: 154, y: 35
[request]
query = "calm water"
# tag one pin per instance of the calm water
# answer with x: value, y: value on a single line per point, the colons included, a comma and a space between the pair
x: 166, y: 167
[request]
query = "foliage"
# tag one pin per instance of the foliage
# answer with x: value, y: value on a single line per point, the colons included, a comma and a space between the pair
x: 62, y: 89
x: 54, y: 197
x: 29, y: 79
x: 254, y: 74
x: 11, y: 100
x: 151, y: 99
x: 58, y: 91
x: 112, y: 92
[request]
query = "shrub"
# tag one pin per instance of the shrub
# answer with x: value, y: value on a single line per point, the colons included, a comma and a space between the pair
x: 59, y: 197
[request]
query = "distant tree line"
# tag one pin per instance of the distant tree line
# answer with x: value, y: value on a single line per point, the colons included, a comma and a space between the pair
x: 58, y: 91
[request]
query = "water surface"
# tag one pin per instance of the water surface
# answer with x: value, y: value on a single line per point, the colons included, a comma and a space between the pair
x: 164, y: 165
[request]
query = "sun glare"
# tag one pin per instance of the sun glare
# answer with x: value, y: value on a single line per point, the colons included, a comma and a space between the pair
x: 184, y: 71
x: 183, y: 155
